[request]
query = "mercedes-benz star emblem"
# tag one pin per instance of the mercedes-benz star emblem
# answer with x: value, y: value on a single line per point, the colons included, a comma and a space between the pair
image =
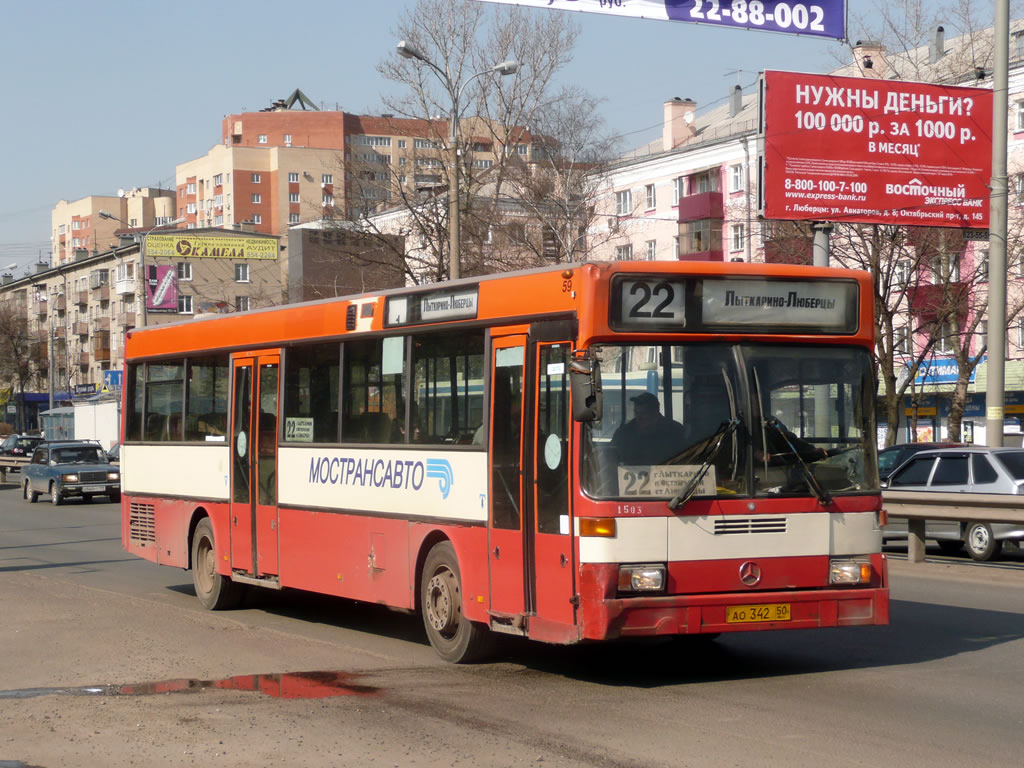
x: 750, y: 573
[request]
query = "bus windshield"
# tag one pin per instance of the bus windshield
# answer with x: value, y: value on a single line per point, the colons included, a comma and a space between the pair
x: 764, y: 420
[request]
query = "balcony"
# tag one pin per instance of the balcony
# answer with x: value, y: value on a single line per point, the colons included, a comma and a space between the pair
x: 706, y: 205
x: 40, y: 353
x: 789, y: 250
x: 126, y: 319
x: 718, y: 255
x: 39, y: 307
x: 58, y: 331
x: 84, y: 359
x: 58, y: 302
x: 101, y: 347
x: 101, y: 293
x: 83, y: 298
x: 125, y: 285
x: 101, y: 323
x: 80, y: 328
x: 931, y: 301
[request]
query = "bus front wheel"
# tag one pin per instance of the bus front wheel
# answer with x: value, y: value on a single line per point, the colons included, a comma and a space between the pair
x: 455, y: 638
x: 215, y: 592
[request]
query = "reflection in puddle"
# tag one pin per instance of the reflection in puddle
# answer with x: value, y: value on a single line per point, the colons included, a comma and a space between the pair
x: 288, y: 685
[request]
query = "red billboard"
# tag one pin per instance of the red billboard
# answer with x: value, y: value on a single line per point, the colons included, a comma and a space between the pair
x: 876, y: 151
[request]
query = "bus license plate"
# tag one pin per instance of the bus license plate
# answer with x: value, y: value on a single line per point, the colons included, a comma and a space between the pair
x: 93, y: 488
x: 745, y: 614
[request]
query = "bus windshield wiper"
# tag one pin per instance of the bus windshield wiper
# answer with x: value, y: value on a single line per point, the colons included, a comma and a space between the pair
x: 687, y: 491
x: 824, y: 497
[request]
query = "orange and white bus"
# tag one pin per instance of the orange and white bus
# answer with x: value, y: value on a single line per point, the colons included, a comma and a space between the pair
x: 583, y: 452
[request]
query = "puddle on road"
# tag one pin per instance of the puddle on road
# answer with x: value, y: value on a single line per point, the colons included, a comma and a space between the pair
x: 287, y: 685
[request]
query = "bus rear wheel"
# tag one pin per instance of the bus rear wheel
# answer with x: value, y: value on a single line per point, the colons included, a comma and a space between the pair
x: 455, y: 638
x: 215, y: 592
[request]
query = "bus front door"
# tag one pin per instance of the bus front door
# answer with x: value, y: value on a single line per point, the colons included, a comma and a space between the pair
x: 552, y: 553
x: 254, y: 428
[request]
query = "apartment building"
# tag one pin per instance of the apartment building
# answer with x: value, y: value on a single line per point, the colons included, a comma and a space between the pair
x: 292, y: 164
x: 77, y: 225
x: 79, y: 311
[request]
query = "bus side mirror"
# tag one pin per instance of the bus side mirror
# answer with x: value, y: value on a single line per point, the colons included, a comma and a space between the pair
x: 585, y: 380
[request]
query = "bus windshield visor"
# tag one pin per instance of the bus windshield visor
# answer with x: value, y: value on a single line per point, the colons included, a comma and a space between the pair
x: 779, y: 420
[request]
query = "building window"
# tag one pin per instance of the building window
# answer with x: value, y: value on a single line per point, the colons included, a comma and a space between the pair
x: 254, y: 178
x: 623, y: 252
x: 901, y: 340
x: 184, y: 304
x: 736, y: 178
x: 184, y: 270
x: 261, y: 138
x: 675, y: 247
x: 700, y: 236
x: 287, y: 139
x: 738, y: 237
x: 650, y: 198
x: 1020, y: 334
x: 218, y: 179
x: 624, y: 202
x: 982, y: 336
x: 982, y: 266
x: 946, y: 337
x: 652, y: 250
x: 678, y: 189
x: 328, y: 201
x: 257, y: 218
x: 1018, y: 122
x: 241, y: 303
x: 327, y: 179
x: 901, y: 272
x: 190, y: 208
x: 706, y: 181
x: 190, y: 188
x: 293, y: 218
x: 293, y: 177
x: 256, y: 197
x: 241, y: 273
x: 293, y: 197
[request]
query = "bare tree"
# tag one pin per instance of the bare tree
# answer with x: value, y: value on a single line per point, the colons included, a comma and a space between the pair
x: 503, y: 122
x: 16, y: 351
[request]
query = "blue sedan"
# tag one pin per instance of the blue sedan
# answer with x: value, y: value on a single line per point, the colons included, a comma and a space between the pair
x: 70, y: 468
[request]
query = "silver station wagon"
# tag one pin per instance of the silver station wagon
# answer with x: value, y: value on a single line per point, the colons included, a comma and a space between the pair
x: 962, y: 470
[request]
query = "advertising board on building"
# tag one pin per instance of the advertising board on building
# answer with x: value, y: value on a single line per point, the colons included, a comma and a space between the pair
x: 161, y: 288
x: 876, y: 151
x: 184, y: 245
x: 823, y: 18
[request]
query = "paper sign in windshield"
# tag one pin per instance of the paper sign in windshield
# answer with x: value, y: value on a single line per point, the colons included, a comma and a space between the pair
x: 663, y: 480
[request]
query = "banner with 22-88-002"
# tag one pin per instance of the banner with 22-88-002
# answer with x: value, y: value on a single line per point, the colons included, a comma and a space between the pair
x: 824, y: 18
x: 876, y: 151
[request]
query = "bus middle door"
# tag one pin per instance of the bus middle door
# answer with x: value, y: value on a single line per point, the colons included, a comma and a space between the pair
x: 254, y: 428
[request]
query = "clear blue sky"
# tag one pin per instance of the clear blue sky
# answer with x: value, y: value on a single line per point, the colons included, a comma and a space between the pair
x: 114, y: 93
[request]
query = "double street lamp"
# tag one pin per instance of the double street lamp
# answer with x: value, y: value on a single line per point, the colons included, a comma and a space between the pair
x: 510, y: 67
x: 142, y: 255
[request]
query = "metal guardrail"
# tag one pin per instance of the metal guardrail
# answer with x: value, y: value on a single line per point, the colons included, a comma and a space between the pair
x: 11, y: 464
x: 918, y: 506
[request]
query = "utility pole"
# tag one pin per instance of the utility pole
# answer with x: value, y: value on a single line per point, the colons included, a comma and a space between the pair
x: 994, y: 395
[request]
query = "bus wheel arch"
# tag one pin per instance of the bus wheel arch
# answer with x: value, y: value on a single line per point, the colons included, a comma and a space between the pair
x: 215, y: 591
x: 455, y: 638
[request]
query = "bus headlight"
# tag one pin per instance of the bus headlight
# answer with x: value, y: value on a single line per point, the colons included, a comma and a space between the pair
x: 855, y: 570
x: 641, y: 578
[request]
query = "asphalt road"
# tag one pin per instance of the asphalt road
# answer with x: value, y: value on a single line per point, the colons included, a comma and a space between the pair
x: 108, y: 660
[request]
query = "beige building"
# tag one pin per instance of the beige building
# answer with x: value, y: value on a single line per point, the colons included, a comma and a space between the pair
x: 79, y: 311
x: 77, y: 225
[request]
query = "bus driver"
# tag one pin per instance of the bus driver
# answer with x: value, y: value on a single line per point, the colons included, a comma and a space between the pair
x: 649, y: 438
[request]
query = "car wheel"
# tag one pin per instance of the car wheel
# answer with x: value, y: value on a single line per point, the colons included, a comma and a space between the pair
x: 981, y: 544
x: 950, y: 547
x: 55, y: 498
x: 215, y: 592
x: 454, y: 637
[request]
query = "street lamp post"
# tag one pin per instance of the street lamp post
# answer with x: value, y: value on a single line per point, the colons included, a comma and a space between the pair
x: 142, y: 255
x: 510, y: 67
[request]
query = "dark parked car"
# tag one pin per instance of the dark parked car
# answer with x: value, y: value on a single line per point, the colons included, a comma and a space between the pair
x: 891, y: 457
x: 8, y: 443
x: 23, y: 445
x: 70, y: 468
x: 960, y: 471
